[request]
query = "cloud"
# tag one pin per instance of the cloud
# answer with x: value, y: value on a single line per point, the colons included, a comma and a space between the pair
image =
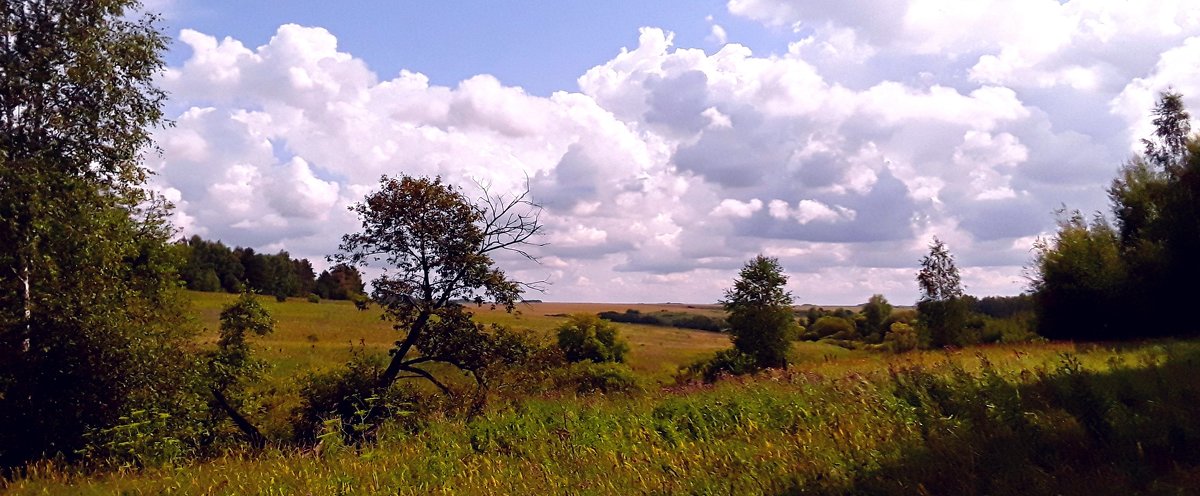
x: 882, y: 124
x: 733, y: 208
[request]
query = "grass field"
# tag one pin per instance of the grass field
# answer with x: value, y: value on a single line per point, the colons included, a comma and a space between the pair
x: 314, y: 336
x: 1048, y: 418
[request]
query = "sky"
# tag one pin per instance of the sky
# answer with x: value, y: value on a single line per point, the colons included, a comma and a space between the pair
x: 669, y: 142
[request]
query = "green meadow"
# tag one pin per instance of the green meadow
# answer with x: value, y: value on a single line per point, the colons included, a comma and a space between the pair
x: 1044, y: 418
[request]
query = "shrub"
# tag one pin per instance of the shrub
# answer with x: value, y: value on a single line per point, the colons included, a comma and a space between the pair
x: 344, y: 396
x: 906, y: 316
x: 833, y: 328
x: 1018, y: 328
x: 725, y: 362
x: 901, y: 338
x: 587, y: 337
x: 312, y: 298
x: 604, y: 378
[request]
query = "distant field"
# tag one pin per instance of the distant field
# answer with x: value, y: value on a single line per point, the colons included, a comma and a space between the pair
x: 313, y: 336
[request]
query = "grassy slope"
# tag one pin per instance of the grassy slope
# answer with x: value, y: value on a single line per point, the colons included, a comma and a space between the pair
x: 312, y: 336
x: 1050, y: 418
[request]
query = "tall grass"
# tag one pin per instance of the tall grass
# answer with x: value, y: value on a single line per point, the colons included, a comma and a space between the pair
x: 1031, y: 419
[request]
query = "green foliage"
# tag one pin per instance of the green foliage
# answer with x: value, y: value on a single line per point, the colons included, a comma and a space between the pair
x: 901, y: 338
x: 1001, y: 307
x: 341, y: 282
x: 312, y: 298
x: 232, y: 362
x: 232, y: 368
x: 587, y: 337
x: 831, y: 327
x: 209, y: 262
x: 942, y: 308
x: 1139, y: 264
x: 435, y: 248
x: 938, y: 277
x: 875, y: 312
x: 599, y: 377
x: 760, y: 312
x: 143, y: 438
x: 343, y: 399
x: 685, y: 320
x: 1080, y: 270
x: 729, y: 362
x: 212, y: 266
x: 91, y: 322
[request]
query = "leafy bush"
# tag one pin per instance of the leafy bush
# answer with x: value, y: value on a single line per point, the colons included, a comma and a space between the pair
x: 587, y: 337
x: 312, y: 298
x: 725, y: 362
x: 343, y: 397
x: 605, y: 378
x: 1018, y: 328
x: 906, y: 316
x: 901, y: 338
x: 833, y: 328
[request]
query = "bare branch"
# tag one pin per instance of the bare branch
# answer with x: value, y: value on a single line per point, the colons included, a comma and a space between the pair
x: 425, y: 374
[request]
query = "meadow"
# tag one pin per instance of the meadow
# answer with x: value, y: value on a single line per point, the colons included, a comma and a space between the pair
x: 1045, y: 418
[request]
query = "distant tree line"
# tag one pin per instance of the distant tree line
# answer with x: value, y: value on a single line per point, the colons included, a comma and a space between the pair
x: 213, y: 266
x: 664, y: 318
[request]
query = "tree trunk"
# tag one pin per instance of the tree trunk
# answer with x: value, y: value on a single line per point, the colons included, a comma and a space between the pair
x: 257, y: 440
x: 27, y: 304
x: 397, y: 363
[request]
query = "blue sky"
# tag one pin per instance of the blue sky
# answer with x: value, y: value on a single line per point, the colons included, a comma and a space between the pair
x: 669, y: 142
x: 540, y: 46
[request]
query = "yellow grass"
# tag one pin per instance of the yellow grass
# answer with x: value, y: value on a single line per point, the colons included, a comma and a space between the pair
x: 315, y: 336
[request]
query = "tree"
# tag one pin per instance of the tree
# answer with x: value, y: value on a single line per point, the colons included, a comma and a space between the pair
x: 876, y: 311
x: 342, y: 282
x: 91, y: 323
x: 941, y: 307
x: 760, y: 312
x: 435, y: 247
x: 1140, y: 264
x: 306, y: 277
x: 207, y: 260
x: 588, y: 337
x: 1167, y: 149
x: 232, y: 367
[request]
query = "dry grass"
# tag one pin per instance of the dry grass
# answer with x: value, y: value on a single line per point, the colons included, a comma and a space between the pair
x: 315, y: 336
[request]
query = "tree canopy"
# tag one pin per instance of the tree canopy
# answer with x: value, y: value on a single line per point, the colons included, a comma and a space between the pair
x: 434, y: 247
x: 941, y: 307
x: 91, y: 326
x: 760, y: 312
x: 1142, y: 261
